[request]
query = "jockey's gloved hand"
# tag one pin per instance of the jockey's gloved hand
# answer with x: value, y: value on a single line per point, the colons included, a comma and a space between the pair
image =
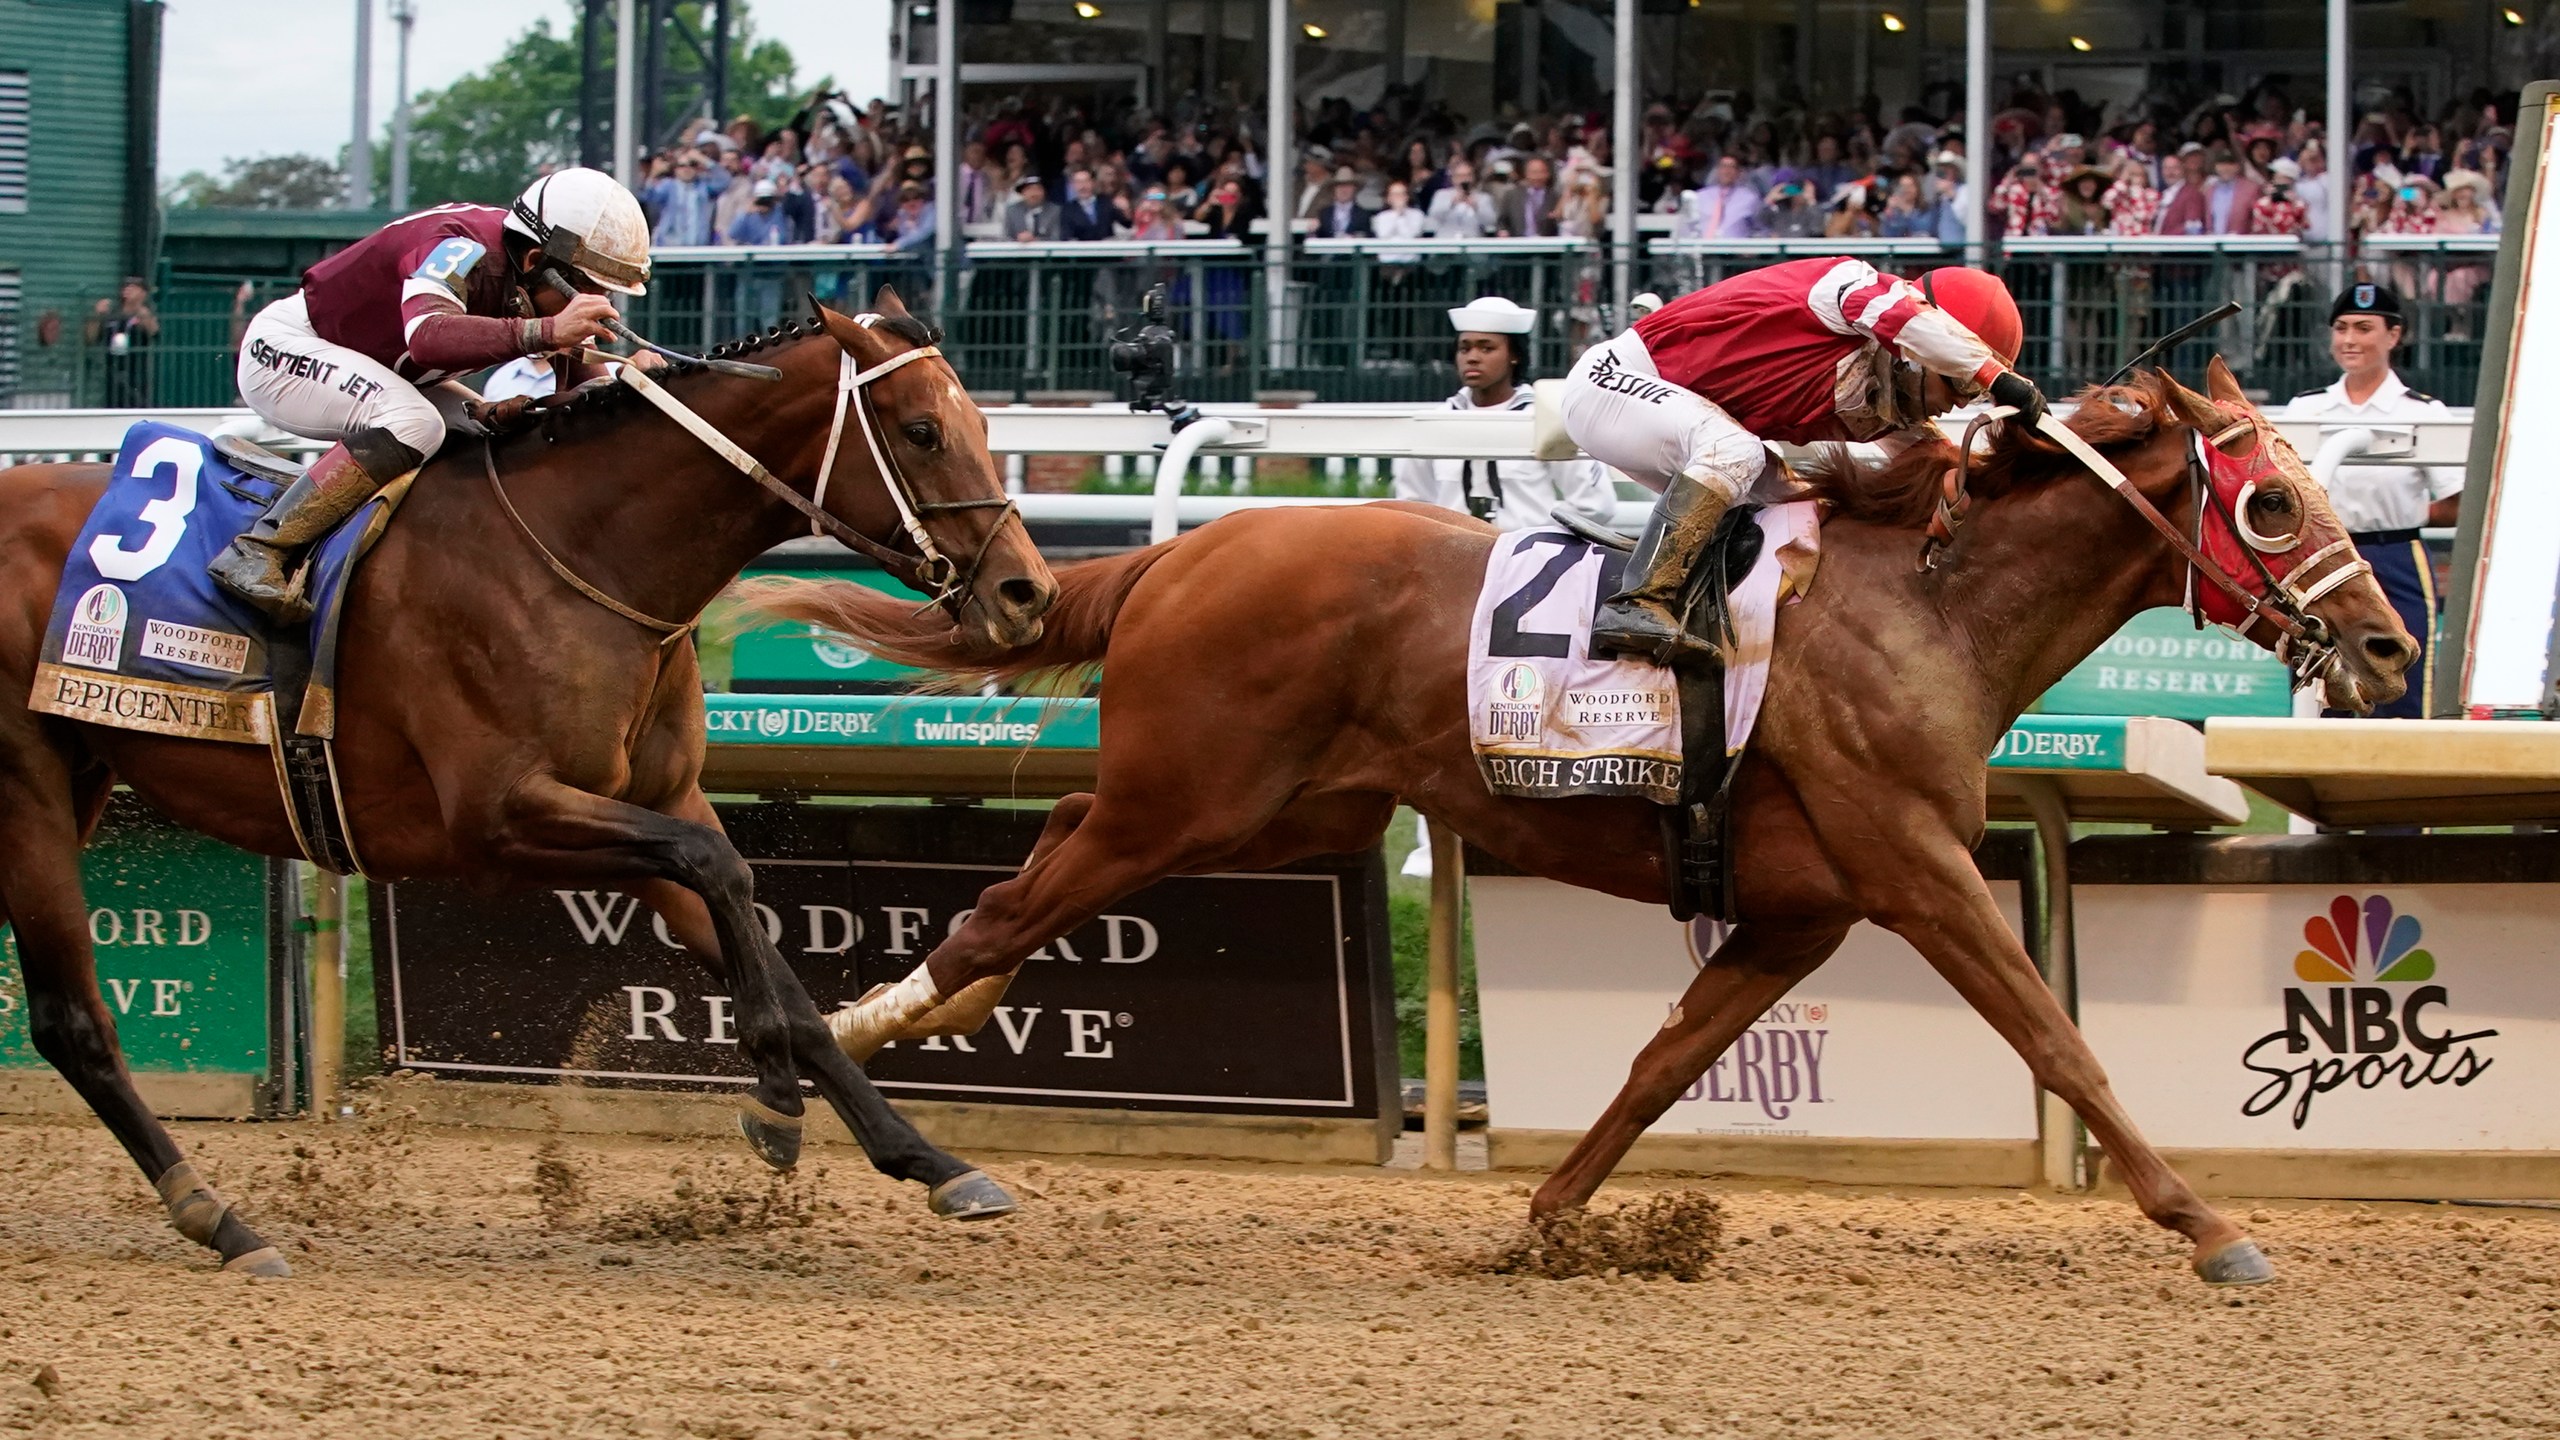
x: 2020, y: 394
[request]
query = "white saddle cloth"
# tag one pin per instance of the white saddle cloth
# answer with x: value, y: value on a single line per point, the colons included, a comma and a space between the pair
x: 1550, y: 721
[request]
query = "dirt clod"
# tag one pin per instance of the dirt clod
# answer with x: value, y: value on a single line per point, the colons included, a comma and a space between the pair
x: 1675, y: 1234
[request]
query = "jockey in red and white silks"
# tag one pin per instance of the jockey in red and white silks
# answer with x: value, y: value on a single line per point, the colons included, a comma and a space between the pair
x: 1803, y: 351
x: 365, y: 351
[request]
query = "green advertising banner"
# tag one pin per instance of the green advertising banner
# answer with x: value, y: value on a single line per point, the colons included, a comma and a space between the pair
x: 2161, y: 664
x: 183, y: 928
x: 792, y: 655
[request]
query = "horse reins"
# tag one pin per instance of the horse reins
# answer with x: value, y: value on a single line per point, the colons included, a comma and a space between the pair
x: 930, y: 570
x: 2304, y: 641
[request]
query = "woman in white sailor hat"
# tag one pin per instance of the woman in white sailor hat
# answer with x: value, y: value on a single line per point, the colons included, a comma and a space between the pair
x: 1492, y: 359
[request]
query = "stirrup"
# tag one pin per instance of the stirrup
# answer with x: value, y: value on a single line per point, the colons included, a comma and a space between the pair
x: 1649, y: 639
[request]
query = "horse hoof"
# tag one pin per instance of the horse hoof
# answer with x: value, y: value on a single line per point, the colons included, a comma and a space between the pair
x: 2239, y: 1263
x: 264, y: 1261
x: 776, y: 1144
x: 971, y: 1196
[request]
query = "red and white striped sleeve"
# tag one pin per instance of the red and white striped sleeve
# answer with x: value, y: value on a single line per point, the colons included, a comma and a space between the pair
x: 1852, y: 298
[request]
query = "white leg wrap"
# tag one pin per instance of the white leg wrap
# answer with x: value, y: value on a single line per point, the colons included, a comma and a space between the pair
x: 879, y: 1017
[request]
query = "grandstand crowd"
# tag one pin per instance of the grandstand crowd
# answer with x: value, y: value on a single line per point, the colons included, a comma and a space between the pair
x: 1720, y: 166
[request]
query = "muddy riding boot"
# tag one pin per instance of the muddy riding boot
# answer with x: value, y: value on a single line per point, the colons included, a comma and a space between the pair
x: 258, y: 567
x: 1642, y: 621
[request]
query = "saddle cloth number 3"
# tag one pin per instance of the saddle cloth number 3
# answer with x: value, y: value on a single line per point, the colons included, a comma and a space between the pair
x: 167, y: 516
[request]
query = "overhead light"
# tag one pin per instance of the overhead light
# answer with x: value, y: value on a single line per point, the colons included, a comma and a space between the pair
x: 2513, y: 16
x: 1087, y: 10
x: 2083, y: 46
x: 1314, y: 31
x: 1893, y: 23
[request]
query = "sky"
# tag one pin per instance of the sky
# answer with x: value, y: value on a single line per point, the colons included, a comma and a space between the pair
x: 241, y: 78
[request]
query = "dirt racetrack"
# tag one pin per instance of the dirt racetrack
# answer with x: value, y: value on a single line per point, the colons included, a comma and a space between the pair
x: 476, y: 1283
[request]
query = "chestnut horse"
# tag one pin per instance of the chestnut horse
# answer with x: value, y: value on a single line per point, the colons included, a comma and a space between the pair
x: 496, y: 724
x: 1273, y: 684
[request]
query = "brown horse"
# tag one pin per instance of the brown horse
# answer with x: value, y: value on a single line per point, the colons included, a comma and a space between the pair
x: 1275, y: 683
x: 494, y: 724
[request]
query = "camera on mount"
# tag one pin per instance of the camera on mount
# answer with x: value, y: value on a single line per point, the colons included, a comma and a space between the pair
x: 1146, y: 355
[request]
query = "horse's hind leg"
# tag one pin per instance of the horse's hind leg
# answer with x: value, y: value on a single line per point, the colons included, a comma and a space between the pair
x: 43, y: 813
x: 1757, y: 964
x: 551, y: 828
x: 1092, y: 854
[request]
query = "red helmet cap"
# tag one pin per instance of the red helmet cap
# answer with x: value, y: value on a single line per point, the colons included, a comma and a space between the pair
x: 1980, y: 303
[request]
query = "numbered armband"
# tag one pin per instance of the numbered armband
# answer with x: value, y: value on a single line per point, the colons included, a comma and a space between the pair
x: 449, y: 265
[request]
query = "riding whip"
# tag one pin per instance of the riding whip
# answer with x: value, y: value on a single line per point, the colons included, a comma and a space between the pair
x: 2165, y: 343
x: 632, y: 337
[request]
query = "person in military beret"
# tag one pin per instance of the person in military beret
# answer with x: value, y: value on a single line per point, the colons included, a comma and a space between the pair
x: 2383, y: 506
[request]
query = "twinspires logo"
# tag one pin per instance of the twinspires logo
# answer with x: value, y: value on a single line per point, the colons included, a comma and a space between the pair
x: 2353, y: 1019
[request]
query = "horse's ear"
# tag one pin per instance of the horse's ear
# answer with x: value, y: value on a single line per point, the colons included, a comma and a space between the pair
x: 2223, y: 386
x: 887, y: 301
x: 2195, y: 410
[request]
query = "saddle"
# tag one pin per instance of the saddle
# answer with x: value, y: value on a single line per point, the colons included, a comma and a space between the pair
x: 142, y: 639
x: 1697, y: 832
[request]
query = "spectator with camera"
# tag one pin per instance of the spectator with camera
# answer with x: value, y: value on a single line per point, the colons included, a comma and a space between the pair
x: 682, y: 191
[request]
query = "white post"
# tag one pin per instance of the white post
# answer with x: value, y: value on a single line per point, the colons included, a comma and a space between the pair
x: 946, y: 133
x: 1977, y: 131
x: 360, y: 147
x: 404, y: 13
x: 1622, y: 143
x: 1440, y: 997
x: 325, y: 902
x: 626, y: 28
x: 2338, y: 145
x: 1280, y: 166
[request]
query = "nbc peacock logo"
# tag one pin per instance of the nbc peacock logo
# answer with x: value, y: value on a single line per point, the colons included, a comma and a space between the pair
x: 2389, y: 954
x: 2362, y: 1016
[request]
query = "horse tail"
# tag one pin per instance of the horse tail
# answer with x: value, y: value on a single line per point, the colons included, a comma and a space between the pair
x: 1075, y: 632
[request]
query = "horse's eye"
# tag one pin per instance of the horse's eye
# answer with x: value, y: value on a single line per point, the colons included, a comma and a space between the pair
x: 924, y: 434
x: 2272, y: 502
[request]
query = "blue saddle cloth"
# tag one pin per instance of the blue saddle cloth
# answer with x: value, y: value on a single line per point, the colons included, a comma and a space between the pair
x: 143, y: 639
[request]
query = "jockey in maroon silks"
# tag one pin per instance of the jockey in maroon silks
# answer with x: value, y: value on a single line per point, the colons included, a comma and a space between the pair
x: 1803, y: 351
x: 364, y: 354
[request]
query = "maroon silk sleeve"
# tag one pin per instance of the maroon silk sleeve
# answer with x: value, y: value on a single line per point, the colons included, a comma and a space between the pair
x: 457, y: 343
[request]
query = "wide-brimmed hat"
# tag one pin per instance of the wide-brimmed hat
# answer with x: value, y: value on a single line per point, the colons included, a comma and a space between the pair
x: 1495, y: 315
x: 2467, y: 180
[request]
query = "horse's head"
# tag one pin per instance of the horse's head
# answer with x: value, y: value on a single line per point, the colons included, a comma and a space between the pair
x: 904, y: 421
x: 2262, y: 520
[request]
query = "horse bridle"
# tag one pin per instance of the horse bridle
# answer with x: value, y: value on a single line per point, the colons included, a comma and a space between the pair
x: 929, y: 569
x: 2283, y: 598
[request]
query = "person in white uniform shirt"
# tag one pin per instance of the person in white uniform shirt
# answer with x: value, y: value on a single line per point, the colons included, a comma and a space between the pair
x: 1493, y: 362
x: 1493, y: 366
x: 2383, y: 506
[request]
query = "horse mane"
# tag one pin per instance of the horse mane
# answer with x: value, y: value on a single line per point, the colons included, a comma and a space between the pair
x: 1904, y: 492
x: 606, y: 398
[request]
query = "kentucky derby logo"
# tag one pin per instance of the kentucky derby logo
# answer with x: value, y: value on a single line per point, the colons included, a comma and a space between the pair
x: 96, y: 634
x: 1515, y: 714
x: 2360, y: 1017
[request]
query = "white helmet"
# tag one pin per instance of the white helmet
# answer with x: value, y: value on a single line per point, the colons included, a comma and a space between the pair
x: 585, y: 220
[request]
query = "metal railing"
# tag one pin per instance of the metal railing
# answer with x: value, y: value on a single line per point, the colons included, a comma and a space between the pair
x: 1364, y: 320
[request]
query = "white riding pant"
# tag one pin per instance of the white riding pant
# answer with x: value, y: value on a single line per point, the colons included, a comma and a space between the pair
x: 1620, y: 410
x: 323, y: 391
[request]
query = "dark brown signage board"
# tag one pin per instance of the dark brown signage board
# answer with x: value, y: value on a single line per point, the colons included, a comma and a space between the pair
x: 1265, y: 994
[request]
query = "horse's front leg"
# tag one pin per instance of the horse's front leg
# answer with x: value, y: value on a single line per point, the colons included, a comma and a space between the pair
x: 551, y: 828
x: 1757, y: 965
x: 1926, y: 890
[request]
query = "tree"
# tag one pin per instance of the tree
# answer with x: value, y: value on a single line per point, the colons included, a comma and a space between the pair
x: 270, y: 182
x: 483, y: 137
